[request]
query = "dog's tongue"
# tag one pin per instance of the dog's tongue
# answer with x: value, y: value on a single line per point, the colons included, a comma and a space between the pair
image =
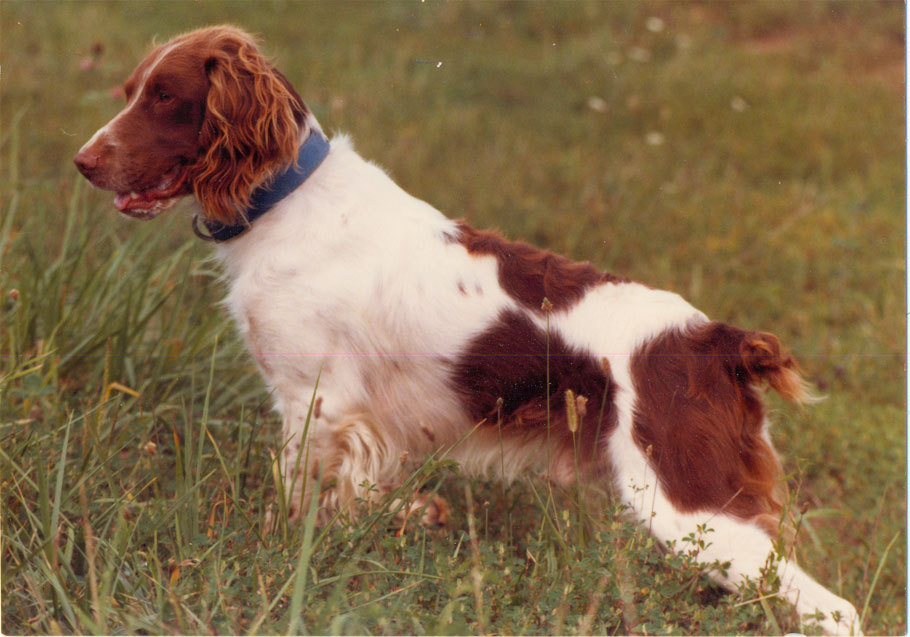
x: 134, y: 200
x: 148, y: 198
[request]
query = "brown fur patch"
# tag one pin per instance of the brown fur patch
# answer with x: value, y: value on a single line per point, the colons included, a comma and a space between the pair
x: 252, y: 123
x: 529, y: 274
x: 502, y: 377
x: 700, y: 414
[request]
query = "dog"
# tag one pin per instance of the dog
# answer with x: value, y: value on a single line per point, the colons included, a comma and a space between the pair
x: 386, y: 330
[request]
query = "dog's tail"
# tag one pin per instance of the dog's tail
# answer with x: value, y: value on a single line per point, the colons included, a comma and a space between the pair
x: 761, y: 359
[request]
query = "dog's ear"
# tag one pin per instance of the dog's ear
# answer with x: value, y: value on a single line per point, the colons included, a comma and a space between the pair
x: 251, y: 129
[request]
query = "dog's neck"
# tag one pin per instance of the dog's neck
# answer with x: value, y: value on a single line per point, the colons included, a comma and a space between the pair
x: 310, y: 156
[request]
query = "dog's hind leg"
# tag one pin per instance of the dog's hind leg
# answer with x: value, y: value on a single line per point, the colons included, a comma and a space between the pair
x: 744, y: 543
x: 750, y: 553
x: 692, y: 455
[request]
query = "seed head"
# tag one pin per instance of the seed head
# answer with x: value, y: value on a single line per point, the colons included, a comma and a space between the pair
x: 571, y: 411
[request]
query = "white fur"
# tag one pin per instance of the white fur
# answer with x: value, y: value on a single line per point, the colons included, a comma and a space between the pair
x: 352, y: 281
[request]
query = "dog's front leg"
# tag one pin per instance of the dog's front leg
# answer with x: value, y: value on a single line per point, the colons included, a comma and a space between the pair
x: 342, y: 453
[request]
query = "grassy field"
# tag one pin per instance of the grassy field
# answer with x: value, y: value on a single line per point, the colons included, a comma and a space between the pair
x: 746, y: 155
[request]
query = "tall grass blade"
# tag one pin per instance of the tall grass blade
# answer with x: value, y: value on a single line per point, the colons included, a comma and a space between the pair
x: 878, y: 572
x: 303, y: 564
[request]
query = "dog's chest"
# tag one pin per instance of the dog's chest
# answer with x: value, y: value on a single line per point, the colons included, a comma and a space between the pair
x: 373, y: 349
x: 296, y: 324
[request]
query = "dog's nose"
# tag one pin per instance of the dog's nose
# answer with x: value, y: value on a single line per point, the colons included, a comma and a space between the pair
x: 86, y: 161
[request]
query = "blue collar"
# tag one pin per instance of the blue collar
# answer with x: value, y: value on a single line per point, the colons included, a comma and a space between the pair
x: 312, y: 152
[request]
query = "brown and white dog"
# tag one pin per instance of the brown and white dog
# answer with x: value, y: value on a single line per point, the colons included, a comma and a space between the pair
x: 418, y: 327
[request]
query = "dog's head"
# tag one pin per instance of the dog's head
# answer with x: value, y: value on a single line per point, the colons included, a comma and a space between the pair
x: 205, y: 114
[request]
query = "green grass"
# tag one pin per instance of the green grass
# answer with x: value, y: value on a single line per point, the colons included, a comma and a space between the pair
x: 747, y: 155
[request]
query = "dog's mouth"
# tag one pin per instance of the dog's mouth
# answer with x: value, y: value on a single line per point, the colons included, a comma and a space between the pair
x: 148, y: 203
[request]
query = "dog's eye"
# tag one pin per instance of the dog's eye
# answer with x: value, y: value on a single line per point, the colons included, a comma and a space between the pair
x: 164, y: 97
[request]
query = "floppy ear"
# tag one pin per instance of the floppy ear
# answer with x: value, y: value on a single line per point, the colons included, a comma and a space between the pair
x: 251, y: 128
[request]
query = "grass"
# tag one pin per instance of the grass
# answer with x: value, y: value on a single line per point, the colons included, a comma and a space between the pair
x: 747, y: 155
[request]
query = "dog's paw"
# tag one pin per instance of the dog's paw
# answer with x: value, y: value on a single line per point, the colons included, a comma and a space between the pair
x: 840, y: 617
x: 433, y: 513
